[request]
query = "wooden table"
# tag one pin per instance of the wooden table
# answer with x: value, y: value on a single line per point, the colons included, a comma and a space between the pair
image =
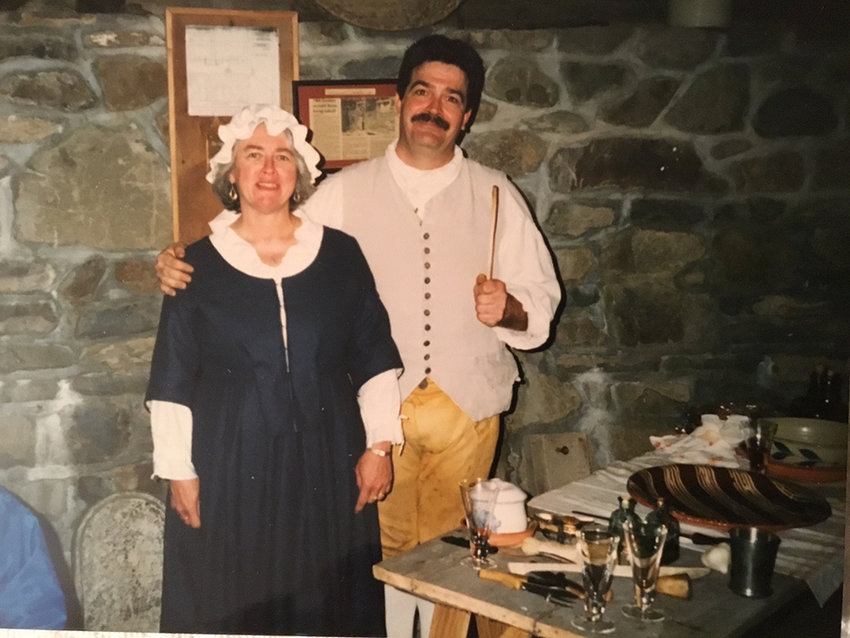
x: 433, y: 571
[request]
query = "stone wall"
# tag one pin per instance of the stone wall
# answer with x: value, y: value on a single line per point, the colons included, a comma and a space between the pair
x: 693, y: 185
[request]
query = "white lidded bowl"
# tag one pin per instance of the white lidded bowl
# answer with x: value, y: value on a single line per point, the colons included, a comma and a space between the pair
x: 509, y: 514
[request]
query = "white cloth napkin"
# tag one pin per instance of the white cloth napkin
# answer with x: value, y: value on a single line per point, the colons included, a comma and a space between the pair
x: 712, y: 443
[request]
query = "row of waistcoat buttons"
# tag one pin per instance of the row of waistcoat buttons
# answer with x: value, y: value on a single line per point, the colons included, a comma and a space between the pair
x: 426, y: 309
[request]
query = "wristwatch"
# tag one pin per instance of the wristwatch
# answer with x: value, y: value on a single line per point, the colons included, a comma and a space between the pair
x: 378, y: 451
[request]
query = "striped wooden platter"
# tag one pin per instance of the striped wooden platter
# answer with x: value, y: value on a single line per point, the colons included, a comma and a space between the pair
x: 722, y: 498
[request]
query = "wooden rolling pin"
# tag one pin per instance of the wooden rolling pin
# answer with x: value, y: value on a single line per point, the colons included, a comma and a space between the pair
x: 533, y: 546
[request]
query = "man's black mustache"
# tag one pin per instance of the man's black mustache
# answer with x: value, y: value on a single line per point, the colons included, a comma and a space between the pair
x: 427, y: 117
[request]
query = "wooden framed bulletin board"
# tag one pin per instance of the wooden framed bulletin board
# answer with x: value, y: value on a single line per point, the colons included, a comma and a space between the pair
x: 219, y: 61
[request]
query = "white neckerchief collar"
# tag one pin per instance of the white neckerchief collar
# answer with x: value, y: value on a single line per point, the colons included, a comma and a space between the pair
x: 242, y: 256
x: 420, y: 185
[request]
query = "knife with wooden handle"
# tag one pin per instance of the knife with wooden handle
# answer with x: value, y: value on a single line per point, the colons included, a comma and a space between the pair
x: 561, y: 594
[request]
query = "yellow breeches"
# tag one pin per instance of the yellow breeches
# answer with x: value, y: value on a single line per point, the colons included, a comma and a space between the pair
x: 442, y: 447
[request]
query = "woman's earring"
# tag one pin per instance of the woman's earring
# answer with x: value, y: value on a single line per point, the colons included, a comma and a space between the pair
x: 296, y: 197
x: 233, y: 193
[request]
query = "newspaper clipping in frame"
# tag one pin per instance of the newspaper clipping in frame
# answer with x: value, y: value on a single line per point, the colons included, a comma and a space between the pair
x: 350, y: 124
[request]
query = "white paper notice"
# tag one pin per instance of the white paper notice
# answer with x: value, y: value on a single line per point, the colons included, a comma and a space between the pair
x: 229, y: 67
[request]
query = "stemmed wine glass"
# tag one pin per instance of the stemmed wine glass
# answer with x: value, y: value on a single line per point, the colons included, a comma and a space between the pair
x: 479, y: 500
x: 644, y: 544
x: 598, y: 550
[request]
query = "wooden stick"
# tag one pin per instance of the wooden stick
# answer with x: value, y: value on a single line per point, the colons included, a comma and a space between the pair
x: 494, y: 217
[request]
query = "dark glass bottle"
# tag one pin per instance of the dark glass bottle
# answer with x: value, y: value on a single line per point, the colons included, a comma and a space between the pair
x: 624, y: 512
x: 661, y: 516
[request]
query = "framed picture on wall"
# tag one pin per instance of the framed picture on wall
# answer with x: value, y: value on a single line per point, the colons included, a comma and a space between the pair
x: 350, y: 121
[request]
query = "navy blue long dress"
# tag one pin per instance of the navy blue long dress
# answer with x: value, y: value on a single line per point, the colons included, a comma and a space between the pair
x: 275, y: 442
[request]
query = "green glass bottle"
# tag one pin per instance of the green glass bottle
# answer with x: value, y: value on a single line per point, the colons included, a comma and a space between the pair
x: 661, y: 516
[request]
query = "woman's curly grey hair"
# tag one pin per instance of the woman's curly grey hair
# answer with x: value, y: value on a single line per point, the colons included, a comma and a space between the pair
x: 224, y: 189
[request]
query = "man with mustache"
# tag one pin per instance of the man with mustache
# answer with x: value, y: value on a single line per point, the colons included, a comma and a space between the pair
x: 422, y: 216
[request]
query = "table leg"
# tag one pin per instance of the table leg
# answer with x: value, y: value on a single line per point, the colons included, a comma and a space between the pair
x: 489, y: 628
x: 449, y: 622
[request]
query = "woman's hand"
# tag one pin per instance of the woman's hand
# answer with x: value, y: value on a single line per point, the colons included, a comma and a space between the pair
x: 374, y: 475
x: 185, y: 500
x: 172, y: 272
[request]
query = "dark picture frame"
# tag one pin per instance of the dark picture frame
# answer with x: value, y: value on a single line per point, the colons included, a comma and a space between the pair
x: 349, y: 120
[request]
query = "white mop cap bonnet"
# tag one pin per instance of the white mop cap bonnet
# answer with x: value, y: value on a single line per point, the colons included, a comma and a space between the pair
x: 242, y: 125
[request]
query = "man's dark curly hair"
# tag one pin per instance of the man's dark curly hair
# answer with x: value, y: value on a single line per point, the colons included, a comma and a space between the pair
x: 439, y: 48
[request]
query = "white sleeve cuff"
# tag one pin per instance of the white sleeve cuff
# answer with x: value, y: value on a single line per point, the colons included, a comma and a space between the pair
x: 171, y: 430
x: 380, y: 399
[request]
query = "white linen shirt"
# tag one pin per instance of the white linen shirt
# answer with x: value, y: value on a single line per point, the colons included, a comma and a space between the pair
x: 522, y: 260
x: 171, y: 423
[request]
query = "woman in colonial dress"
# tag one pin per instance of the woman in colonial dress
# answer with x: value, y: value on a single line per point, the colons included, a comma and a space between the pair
x: 265, y: 371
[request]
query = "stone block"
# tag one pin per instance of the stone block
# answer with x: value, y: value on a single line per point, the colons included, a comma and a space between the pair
x: 643, y: 105
x: 660, y: 252
x: 38, y: 46
x: 99, y: 431
x: 17, y: 439
x: 137, y: 275
x: 520, y: 80
x: 730, y: 148
x: 27, y: 390
x: 16, y: 129
x: 103, y: 188
x: 553, y: 460
x: 666, y: 214
x: 579, y: 330
x: 114, y: 319
x: 63, y: 90
x: 574, y: 264
x: 515, y: 152
x: 111, y: 39
x: 323, y: 33
x: 575, y: 218
x: 585, y: 80
x: 130, y: 81
x: 511, y: 40
x: 46, y: 496
x: 833, y: 166
x: 716, y: 101
x: 677, y: 49
x: 377, y: 67
x: 795, y: 111
x: 594, y: 40
x: 545, y: 398
x: 645, y: 314
x: 80, y: 285
x: 627, y: 164
x: 561, y: 123
x: 31, y: 315
x: 747, y: 260
x: 25, y: 276
x: 121, y: 355
x: 16, y: 357
x: 107, y: 384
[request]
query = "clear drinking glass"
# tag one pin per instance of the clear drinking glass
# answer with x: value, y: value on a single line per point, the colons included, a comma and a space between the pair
x: 644, y: 544
x: 479, y: 500
x: 598, y: 550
